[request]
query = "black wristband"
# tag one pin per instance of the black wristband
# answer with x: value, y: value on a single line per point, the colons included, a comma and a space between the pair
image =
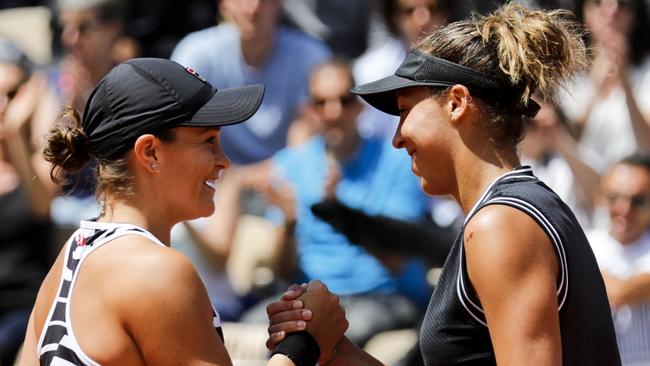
x: 300, y: 347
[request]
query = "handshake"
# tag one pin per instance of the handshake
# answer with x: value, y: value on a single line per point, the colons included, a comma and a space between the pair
x: 307, y: 324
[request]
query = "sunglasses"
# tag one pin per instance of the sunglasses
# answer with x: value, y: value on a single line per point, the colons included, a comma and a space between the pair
x: 636, y: 201
x: 345, y: 100
x: 84, y: 27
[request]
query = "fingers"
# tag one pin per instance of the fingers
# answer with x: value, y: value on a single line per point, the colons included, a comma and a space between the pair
x: 316, y: 285
x: 274, y: 339
x: 294, y: 292
x: 281, y: 306
x: 291, y: 315
x: 288, y: 327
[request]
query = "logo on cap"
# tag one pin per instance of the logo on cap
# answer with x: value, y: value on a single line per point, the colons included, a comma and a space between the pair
x: 191, y: 71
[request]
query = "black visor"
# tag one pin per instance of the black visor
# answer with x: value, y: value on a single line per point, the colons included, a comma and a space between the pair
x: 420, y: 69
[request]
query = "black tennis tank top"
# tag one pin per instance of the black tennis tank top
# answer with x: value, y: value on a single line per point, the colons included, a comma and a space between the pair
x: 455, y: 331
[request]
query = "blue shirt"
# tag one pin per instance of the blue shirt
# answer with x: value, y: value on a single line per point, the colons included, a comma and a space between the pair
x: 377, y: 180
x: 216, y: 54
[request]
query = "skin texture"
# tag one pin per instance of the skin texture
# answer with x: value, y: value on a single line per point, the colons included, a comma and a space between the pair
x: 628, y: 223
x: 507, y: 267
x: 137, y: 301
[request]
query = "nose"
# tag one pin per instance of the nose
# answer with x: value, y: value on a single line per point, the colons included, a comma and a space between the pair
x: 70, y: 35
x: 421, y: 15
x: 621, y: 207
x: 398, y: 141
x: 221, y: 161
x: 332, y: 110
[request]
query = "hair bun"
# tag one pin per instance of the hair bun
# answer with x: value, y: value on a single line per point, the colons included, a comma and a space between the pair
x: 68, y: 146
x: 537, y: 50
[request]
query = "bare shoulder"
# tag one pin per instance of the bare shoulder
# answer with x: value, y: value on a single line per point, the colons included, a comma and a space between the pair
x: 503, y: 239
x: 161, y: 302
x: 147, y: 269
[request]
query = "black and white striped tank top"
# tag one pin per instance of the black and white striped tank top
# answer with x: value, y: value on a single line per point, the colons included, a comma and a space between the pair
x: 57, y: 345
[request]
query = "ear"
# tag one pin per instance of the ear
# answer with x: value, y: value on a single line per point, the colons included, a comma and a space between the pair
x: 458, y: 102
x: 145, y: 152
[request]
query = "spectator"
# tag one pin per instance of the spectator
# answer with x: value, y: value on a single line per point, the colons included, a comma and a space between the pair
x: 24, y: 201
x: 362, y: 173
x: 89, y: 32
x: 554, y: 154
x: 92, y: 33
x: 254, y: 49
x: 407, y: 21
x: 611, y: 103
x: 623, y: 254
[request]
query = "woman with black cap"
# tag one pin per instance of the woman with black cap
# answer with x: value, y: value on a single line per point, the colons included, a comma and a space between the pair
x: 521, y: 285
x: 117, y: 294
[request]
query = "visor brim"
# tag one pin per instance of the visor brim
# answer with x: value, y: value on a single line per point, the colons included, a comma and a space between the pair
x: 228, y: 107
x: 381, y: 94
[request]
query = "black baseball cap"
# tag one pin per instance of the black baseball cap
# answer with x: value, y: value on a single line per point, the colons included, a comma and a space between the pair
x: 146, y: 95
x: 421, y: 69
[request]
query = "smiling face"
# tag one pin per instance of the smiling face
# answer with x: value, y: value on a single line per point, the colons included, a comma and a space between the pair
x: 424, y: 132
x: 626, y: 189
x: 188, y: 169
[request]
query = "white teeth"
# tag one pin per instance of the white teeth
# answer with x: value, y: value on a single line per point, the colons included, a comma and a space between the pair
x: 210, y: 184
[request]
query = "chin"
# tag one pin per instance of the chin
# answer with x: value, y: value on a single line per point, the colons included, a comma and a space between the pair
x: 206, y: 211
x: 430, y: 189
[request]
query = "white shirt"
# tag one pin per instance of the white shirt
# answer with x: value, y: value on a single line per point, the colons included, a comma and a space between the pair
x: 632, y: 322
x: 371, y: 66
x: 608, y: 130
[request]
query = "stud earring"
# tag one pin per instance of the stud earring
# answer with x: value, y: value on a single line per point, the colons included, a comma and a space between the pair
x: 154, y: 165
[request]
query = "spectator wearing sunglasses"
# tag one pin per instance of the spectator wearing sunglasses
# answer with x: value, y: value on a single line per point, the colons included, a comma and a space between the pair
x: 623, y: 254
x: 377, y: 291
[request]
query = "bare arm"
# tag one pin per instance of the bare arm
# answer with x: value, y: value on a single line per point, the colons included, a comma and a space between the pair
x: 633, y: 290
x: 285, y: 256
x: 586, y: 176
x: 25, y: 157
x: 513, y: 268
x: 349, y: 354
x: 29, y: 356
x: 280, y: 194
x: 640, y: 124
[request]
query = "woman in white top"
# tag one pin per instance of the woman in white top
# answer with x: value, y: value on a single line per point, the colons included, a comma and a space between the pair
x: 117, y: 294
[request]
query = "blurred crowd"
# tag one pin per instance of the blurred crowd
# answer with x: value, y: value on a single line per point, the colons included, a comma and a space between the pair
x: 316, y: 190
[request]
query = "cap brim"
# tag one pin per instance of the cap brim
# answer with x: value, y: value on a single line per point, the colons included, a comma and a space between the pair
x: 228, y: 107
x: 381, y: 93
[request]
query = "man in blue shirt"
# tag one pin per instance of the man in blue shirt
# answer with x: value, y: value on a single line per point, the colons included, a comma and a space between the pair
x: 367, y: 174
x: 253, y: 49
